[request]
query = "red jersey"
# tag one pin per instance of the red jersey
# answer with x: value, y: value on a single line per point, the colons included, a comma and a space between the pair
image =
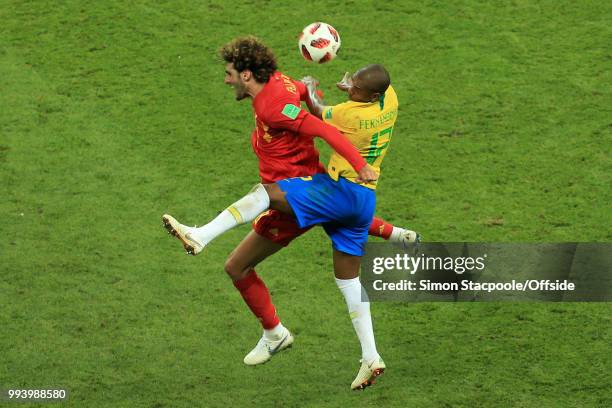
x: 282, y: 151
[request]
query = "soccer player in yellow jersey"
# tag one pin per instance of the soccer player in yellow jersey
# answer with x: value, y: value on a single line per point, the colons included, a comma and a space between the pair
x: 342, y: 201
x: 367, y: 119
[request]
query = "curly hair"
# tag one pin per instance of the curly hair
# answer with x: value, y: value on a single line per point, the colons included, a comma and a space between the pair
x: 250, y: 53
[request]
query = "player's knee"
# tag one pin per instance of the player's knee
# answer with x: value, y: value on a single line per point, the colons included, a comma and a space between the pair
x: 234, y: 269
x: 274, y: 192
x: 230, y: 267
x: 277, y: 198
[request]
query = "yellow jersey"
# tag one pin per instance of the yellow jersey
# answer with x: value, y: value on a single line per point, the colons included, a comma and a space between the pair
x: 368, y: 126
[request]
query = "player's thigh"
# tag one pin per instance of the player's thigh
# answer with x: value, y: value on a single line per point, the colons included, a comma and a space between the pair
x: 250, y: 251
x: 346, y: 266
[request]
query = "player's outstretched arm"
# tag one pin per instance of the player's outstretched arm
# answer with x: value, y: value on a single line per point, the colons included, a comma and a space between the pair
x: 287, y: 115
x: 315, y: 128
x: 314, y: 101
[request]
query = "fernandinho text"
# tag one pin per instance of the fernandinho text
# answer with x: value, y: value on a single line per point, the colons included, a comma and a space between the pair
x: 374, y: 123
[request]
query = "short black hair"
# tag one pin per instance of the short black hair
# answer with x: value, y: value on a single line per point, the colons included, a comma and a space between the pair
x: 376, y: 78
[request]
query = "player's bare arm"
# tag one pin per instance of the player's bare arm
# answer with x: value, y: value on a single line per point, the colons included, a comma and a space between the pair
x: 315, y: 101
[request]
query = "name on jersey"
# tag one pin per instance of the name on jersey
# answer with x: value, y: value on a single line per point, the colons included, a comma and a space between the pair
x: 289, y: 85
x: 376, y: 122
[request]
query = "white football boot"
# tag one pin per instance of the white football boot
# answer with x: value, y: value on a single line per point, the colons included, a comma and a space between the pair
x: 183, y: 233
x: 265, y: 348
x: 408, y: 236
x: 367, y: 373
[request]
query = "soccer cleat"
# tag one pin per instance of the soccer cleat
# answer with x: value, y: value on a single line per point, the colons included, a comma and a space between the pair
x: 407, y: 237
x: 410, y: 237
x: 368, y: 373
x: 265, y: 349
x: 183, y: 233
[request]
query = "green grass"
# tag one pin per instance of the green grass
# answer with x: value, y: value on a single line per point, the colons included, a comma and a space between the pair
x: 113, y: 113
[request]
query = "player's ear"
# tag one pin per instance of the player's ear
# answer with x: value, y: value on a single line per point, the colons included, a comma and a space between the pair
x: 375, y: 97
x: 246, y: 75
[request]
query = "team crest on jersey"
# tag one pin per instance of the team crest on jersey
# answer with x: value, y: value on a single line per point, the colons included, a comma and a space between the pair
x: 291, y: 111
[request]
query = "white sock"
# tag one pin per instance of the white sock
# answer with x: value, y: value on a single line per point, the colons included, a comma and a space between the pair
x: 360, y: 316
x: 275, y: 333
x: 242, y: 211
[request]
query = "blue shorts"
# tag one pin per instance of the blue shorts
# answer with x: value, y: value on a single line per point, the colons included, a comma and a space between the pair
x: 345, y: 209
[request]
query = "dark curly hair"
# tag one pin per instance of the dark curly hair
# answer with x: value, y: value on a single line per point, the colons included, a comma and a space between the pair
x: 250, y: 53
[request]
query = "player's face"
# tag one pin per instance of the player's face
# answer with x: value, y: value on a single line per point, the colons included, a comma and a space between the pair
x: 232, y: 78
x: 358, y: 92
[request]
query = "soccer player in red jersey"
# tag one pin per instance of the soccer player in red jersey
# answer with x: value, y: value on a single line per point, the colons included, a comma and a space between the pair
x: 285, y: 149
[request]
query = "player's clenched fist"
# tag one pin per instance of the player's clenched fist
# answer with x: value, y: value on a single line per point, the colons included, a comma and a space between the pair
x: 367, y: 174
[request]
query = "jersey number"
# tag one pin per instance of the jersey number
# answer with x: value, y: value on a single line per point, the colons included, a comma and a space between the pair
x: 374, y: 151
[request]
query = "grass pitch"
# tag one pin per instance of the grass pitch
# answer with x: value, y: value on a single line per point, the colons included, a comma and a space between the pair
x: 113, y: 113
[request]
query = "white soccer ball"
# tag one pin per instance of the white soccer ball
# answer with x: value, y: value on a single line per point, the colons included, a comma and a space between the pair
x: 319, y: 42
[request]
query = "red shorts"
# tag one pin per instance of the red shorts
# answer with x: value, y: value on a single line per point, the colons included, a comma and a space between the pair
x: 278, y: 227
